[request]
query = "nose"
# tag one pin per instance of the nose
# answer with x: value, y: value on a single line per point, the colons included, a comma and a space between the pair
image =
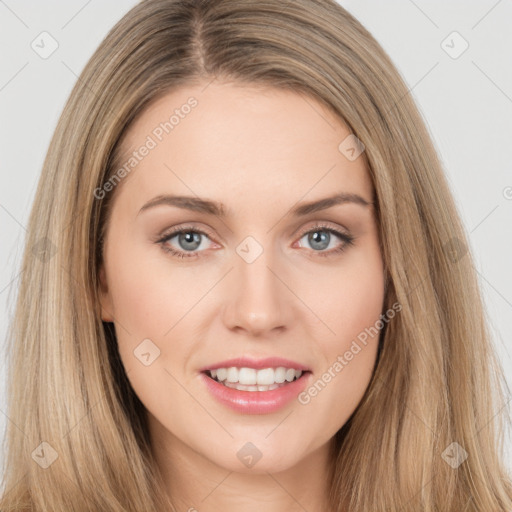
x: 258, y: 301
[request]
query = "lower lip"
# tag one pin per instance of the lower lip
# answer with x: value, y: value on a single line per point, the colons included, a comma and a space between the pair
x: 256, y: 402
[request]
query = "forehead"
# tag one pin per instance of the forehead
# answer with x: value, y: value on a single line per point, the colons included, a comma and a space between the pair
x: 223, y: 139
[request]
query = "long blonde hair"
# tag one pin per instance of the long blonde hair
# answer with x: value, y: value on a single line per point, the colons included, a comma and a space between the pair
x: 437, y: 380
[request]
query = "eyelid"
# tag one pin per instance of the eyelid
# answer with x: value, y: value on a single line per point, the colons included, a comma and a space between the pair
x: 342, y: 234
x: 323, y: 224
x: 167, y: 233
x: 205, y: 231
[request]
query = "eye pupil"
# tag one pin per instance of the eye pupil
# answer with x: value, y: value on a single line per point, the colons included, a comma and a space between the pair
x: 319, y: 237
x: 190, y: 237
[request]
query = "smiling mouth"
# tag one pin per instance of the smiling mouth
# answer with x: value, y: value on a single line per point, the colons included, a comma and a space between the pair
x: 250, y: 379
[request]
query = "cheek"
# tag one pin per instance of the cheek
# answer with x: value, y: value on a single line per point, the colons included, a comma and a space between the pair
x: 149, y: 295
x: 351, y: 306
x: 149, y: 300
x: 348, y: 297
x: 359, y: 305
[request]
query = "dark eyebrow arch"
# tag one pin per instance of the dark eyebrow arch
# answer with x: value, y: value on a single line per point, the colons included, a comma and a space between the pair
x: 191, y: 203
x: 328, y: 202
x: 214, y: 208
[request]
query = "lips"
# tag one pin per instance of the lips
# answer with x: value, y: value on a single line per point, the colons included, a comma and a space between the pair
x: 257, y: 364
x: 256, y: 398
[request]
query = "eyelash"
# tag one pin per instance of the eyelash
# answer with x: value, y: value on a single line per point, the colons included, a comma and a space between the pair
x: 348, y: 239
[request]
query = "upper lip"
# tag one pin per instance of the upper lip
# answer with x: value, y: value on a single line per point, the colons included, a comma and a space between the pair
x: 258, y: 364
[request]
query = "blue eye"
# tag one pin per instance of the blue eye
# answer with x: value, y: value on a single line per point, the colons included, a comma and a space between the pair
x: 190, y: 239
x: 320, y: 238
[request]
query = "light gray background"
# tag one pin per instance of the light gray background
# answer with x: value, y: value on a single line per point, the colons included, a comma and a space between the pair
x: 466, y: 101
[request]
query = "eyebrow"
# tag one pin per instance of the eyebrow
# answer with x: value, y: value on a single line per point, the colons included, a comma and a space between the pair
x: 207, y: 206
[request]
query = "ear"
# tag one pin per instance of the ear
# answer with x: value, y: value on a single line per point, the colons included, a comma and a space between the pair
x: 104, y: 296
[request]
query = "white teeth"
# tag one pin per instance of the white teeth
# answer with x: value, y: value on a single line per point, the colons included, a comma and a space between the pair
x: 265, y: 377
x: 280, y: 375
x: 251, y: 379
x: 268, y: 388
x: 247, y: 376
x: 222, y: 373
x: 290, y: 374
x: 242, y: 387
x: 232, y: 374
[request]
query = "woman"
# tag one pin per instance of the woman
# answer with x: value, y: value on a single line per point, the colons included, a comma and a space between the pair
x: 253, y: 284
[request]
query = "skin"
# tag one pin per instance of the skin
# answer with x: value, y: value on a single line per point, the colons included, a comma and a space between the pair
x: 259, y: 151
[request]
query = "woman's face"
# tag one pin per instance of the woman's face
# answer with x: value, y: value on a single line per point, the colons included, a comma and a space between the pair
x: 264, y: 274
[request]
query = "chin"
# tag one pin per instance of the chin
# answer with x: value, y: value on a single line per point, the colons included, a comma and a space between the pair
x: 251, y: 457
